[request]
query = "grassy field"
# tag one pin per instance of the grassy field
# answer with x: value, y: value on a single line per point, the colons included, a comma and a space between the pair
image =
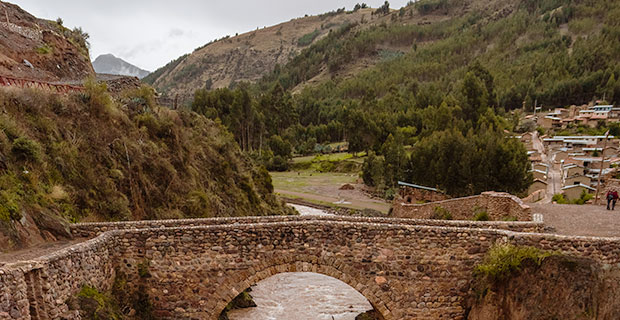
x: 359, y: 157
x: 324, y: 188
x: 310, y: 181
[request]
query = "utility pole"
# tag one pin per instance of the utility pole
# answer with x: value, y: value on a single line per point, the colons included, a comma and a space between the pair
x: 598, y: 185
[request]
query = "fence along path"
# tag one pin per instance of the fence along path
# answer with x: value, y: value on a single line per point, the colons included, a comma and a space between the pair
x: 7, y: 81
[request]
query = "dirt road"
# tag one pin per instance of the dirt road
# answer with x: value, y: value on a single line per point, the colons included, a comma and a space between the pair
x: 580, y: 220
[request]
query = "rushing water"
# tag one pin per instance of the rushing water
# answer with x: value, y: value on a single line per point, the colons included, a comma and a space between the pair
x: 307, y: 211
x: 303, y: 295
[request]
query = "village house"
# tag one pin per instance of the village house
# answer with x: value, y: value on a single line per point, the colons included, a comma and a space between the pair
x: 592, y: 162
x: 541, y: 167
x: 537, y: 185
x: 572, y: 170
x: 539, y: 174
x: 578, y: 179
x: 573, y: 192
x: 561, y: 156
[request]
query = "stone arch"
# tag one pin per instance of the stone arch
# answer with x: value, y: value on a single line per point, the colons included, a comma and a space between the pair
x: 334, y: 268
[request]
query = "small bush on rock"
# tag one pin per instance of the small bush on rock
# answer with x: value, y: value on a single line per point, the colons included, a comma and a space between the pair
x: 504, y: 259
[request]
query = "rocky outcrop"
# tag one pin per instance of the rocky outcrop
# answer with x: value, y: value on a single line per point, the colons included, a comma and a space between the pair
x: 560, y: 288
x: 40, y: 49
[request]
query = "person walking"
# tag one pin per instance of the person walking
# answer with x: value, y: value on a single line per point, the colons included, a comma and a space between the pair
x: 615, y: 198
x: 609, y: 196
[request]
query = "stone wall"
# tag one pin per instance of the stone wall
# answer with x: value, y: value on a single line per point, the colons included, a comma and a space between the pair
x: 535, y: 196
x: 39, y: 289
x: 499, y: 206
x: 412, y: 195
x: 406, y: 271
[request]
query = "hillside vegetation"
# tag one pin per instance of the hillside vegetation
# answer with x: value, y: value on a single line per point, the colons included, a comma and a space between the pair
x: 88, y: 157
x: 461, y: 67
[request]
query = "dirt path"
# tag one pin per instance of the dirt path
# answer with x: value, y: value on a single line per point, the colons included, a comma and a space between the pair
x: 584, y: 220
x: 37, y: 251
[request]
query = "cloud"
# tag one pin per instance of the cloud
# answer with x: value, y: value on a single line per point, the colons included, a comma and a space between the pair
x: 152, y: 33
x: 175, y: 33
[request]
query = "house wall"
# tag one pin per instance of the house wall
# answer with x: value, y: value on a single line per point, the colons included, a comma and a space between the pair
x: 573, y: 171
x: 539, y: 175
x: 537, y: 185
x: 574, y: 193
x: 579, y: 179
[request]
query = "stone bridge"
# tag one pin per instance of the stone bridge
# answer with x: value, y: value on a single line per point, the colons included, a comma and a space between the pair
x: 407, y: 269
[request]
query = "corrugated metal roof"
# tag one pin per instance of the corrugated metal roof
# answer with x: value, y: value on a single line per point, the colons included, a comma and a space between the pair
x: 405, y: 184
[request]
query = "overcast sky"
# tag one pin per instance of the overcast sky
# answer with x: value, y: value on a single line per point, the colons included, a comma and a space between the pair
x: 149, y: 34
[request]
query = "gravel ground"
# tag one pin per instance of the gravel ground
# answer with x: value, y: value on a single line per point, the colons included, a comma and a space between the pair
x: 584, y: 220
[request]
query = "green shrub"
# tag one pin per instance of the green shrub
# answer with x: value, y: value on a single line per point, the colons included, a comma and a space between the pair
x: 481, y: 216
x: 143, y: 269
x: 585, y: 197
x: 502, y: 260
x: 559, y: 198
x: 97, y: 96
x: 278, y: 163
x: 44, y: 49
x: 307, y: 39
x: 9, y: 207
x: 441, y: 213
x: 26, y: 149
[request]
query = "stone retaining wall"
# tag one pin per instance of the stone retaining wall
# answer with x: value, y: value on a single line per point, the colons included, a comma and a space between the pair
x: 535, y: 196
x: 406, y: 271
x: 39, y: 289
x: 499, y: 206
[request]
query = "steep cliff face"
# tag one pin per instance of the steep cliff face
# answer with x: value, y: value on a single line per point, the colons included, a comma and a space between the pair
x: 39, y: 49
x: 560, y: 288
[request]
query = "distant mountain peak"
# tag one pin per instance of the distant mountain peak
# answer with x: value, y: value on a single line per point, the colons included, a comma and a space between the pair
x: 110, y: 64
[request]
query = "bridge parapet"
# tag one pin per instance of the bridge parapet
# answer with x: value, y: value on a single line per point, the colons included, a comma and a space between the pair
x: 89, y: 230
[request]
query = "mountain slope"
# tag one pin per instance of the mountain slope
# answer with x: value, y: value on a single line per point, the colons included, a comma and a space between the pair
x: 40, y: 49
x: 249, y: 56
x: 86, y: 157
x: 109, y: 64
x: 558, y: 52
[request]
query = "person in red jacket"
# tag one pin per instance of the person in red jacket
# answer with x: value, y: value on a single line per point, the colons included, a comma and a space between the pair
x: 612, y: 197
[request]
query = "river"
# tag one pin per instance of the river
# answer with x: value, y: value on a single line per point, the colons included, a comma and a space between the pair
x: 303, y: 295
